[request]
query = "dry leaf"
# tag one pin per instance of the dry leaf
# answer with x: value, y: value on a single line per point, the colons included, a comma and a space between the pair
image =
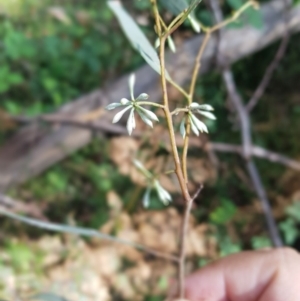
x: 122, y: 151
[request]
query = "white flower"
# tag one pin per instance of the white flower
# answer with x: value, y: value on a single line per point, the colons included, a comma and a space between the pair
x: 170, y: 43
x: 142, y: 169
x: 163, y: 194
x: 196, y: 124
x: 195, y: 24
x: 133, y: 105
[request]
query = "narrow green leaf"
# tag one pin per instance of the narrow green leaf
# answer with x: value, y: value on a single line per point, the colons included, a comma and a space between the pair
x: 175, y: 6
x: 193, y: 5
x: 136, y: 36
x: 178, y: 6
x: 235, y: 4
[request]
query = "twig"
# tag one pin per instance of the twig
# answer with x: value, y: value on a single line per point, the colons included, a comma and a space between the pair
x: 256, y: 151
x: 119, y: 130
x: 208, y: 32
x: 178, y: 169
x: 84, y: 232
x: 19, y: 206
x: 190, y: 99
x: 260, y: 90
x: 245, y: 135
x: 259, y: 188
x: 182, y: 242
x: 59, y: 119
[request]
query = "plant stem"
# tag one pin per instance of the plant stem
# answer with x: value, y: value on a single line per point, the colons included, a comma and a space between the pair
x: 178, y: 110
x: 178, y: 169
x: 181, y: 90
x: 190, y: 100
x: 182, y: 246
x: 177, y: 22
x: 198, y: 65
x: 149, y: 103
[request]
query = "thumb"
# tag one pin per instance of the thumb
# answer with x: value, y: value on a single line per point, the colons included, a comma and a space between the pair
x: 271, y: 275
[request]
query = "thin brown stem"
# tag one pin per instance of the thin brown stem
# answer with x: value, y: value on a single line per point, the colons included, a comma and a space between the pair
x: 149, y: 103
x: 176, y: 22
x: 178, y: 169
x: 198, y: 65
x: 182, y: 243
x: 163, y: 23
x: 190, y: 99
x: 181, y: 90
x: 178, y: 110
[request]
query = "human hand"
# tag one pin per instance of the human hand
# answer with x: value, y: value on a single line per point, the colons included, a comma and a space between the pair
x: 266, y: 275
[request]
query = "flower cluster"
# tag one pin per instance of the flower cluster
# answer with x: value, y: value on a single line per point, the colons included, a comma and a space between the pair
x: 133, y: 105
x: 196, y: 124
x: 163, y: 194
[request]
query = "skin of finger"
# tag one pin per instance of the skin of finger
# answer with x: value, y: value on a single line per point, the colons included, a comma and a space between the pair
x: 285, y: 285
x: 248, y: 276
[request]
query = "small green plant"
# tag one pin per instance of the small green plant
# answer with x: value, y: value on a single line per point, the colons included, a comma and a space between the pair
x: 289, y: 226
x: 190, y: 123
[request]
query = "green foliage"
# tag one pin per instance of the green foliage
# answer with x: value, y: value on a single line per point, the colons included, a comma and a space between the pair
x: 21, y: 256
x: 293, y: 211
x: 9, y: 79
x: 228, y: 247
x: 251, y: 16
x: 223, y: 213
x: 59, y: 61
x: 289, y: 226
x: 178, y: 6
x: 163, y: 283
x: 259, y: 242
x: 289, y: 230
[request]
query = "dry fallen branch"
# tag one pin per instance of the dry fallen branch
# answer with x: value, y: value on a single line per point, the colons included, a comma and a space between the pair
x: 34, y: 148
x: 255, y: 151
x: 59, y: 119
x: 19, y: 206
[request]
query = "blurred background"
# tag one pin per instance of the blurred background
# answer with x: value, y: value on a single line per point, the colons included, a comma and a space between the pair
x: 64, y: 60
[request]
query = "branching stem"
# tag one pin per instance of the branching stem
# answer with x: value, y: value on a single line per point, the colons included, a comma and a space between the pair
x: 149, y: 103
x: 182, y: 246
x: 178, y: 169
